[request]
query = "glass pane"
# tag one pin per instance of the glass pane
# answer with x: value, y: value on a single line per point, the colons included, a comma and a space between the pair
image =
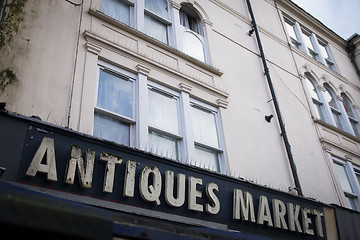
x: 348, y: 107
x: 337, y: 119
x: 155, y: 29
x: 351, y: 203
x: 157, y: 6
x: 111, y: 129
x: 163, y: 145
x: 117, y: 10
x: 355, y: 127
x: 206, y: 158
x: 312, y: 89
x: 204, y: 127
x: 319, y: 111
x: 343, y: 178
x: 192, y: 46
x: 163, y: 112
x: 115, y: 94
x: 358, y: 177
x: 307, y: 41
x: 290, y: 30
x: 323, y: 51
x: 329, y: 98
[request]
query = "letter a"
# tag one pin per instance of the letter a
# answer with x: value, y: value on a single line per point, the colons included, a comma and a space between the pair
x: 46, y: 147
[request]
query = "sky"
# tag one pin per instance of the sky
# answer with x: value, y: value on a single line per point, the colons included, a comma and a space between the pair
x: 341, y: 16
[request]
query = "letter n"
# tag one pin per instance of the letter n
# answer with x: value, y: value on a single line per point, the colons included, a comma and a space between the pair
x: 47, y: 150
x: 76, y: 162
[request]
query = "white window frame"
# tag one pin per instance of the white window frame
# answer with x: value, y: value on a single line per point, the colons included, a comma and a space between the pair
x: 350, y: 170
x: 132, y: 12
x: 314, y: 52
x: 327, y: 61
x: 165, y: 21
x: 201, y: 38
x: 220, y: 150
x: 294, y: 42
x: 125, y: 75
x: 152, y: 86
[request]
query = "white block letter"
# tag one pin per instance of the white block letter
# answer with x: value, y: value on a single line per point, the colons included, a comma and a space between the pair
x: 194, y: 193
x: 169, y: 189
x: 46, y: 147
x: 76, y: 162
x: 150, y: 193
x: 214, y: 206
x: 110, y: 170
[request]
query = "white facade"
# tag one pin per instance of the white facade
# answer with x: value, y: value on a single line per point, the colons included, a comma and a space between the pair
x: 197, y: 60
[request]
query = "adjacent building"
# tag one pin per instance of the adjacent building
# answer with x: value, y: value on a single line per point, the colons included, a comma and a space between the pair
x: 252, y: 106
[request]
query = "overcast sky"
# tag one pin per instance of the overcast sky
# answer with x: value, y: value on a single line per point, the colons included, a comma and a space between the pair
x: 341, y: 16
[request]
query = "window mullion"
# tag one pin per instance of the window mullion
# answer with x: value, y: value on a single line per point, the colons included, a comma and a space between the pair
x: 188, y: 137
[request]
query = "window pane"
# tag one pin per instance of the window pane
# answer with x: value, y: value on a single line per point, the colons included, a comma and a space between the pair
x: 355, y: 127
x: 111, y: 129
x: 117, y: 10
x: 351, y: 202
x: 329, y: 98
x: 157, y: 6
x: 193, y: 46
x: 206, y: 158
x: 115, y: 94
x: 348, y: 108
x: 163, y: 112
x: 204, y: 127
x: 312, y: 89
x: 290, y: 29
x: 155, y: 29
x: 323, y: 51
x: 307, y: 41
x: 163, y: 145
x: 343, y: 178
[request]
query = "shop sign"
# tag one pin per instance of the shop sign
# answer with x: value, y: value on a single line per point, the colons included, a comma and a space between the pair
x: 96, y: 169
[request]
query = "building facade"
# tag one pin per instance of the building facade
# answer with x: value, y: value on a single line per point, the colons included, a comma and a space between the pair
x: 261, y: 92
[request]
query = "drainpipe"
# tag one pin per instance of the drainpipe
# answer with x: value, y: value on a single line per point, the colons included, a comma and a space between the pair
x: 276, y: 105
x: 351, y: 49
x: 2, y: 8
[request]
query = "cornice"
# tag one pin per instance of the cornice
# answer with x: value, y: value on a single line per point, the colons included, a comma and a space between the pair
x: 311, y: 22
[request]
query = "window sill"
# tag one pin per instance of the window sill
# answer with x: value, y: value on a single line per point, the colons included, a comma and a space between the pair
x: 327, y: 125
x: 98, y: 14
x: 319, y: 64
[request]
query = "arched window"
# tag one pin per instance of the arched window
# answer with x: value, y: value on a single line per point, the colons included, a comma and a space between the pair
x: 156, y: 19
x: 351, y: 115
x: 192, y: 38
x: 314, y: 92
x: 332, y: 102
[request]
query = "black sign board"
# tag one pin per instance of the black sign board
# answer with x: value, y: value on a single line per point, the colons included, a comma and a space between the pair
x: 97, y: 172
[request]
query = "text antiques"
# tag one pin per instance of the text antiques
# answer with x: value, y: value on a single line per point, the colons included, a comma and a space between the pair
x: 153, y: 185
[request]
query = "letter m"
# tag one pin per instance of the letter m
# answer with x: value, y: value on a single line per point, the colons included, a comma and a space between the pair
x: 243, y: 205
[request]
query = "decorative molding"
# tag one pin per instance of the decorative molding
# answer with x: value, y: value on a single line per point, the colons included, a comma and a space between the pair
x: 91, y: 47
x: 143, y: 69
x: 185, y: 87
x: 222, y: 103
x: 327, y: 148
x: 348, y: 157
x: 175, y: 5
